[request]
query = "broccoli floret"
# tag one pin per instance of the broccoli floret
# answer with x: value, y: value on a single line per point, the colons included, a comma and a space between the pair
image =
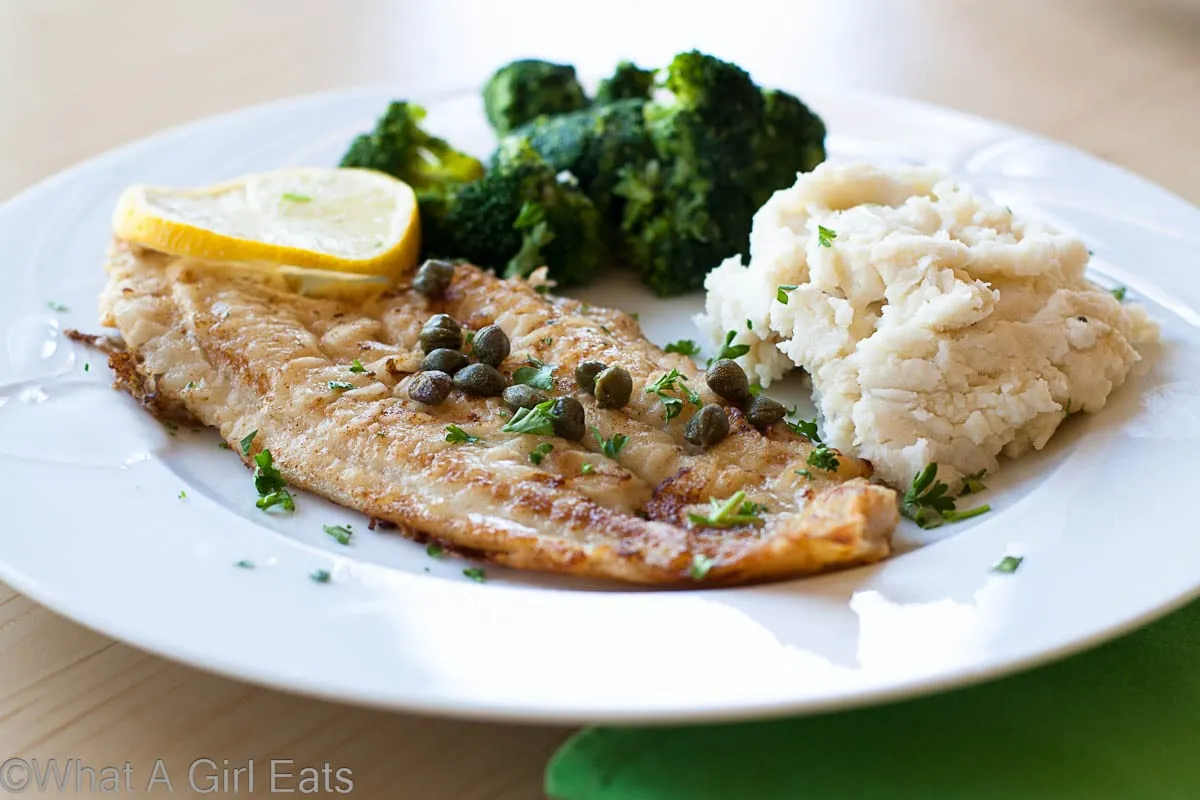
x: 690, y: 206
x: 629, y: 82
x: 593, y: 144
x: 399, y: 147
x: 521, y: 215
x: 524, y: 90
x: 792, y: 141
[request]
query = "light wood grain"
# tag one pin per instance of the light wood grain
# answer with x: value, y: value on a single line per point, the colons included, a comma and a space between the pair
x: 1118, y: 78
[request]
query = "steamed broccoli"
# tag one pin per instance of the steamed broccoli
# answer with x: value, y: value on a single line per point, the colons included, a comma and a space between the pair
x: 690, y: 206
x: 629, y: 82
x: 399, y: 147
x: 521, y: 215
x: 593, y: 144
x: 792, y: 141
x: 527, y: 89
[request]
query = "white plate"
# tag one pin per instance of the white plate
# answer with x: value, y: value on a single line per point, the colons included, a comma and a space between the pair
x: 95, y: 527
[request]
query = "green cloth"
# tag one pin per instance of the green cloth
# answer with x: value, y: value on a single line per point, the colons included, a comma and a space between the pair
x: 1119, y: 721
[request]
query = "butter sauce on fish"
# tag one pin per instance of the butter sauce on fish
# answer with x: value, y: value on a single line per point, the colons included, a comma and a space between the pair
x: 240, y: 353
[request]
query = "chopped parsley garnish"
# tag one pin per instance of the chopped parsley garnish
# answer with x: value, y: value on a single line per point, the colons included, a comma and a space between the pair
x: 356, y: 367
x: 825, y: 236
x: 292, y: 197
x: 586, y: 469
x: 245, y: 563
x: 224, y: 445
x: 636, y: 316
x: 340, y: 532
x: 973, y: 484
x: 729, y: 349
x: 928, y: 501
x: 341, y: 386
x: 189, y: 386
x: 468, y: 338
x: 247, y: 441
x: 536, y: 421
x: 549, y: 340
x: 673, y: 381
x: 182, y: 494
x: 1008, y: 564
x: 1119, y: 293
x: 755, y: 389
x: 535, y: 374
x: 822, y: 457
x: 749, y: 324
x: 321, y: 576
x: 606, y: 330
x: 170, y: 427
x: 272, y: 489
x: 54, y: 305
x: 613, y: 446
x: 805, y: 427
x: 730, y: 513
x: 684, y: 347
x: 456, y: 435
x: 699, y: 567
x: 476, y: 574
x: 540, y: 452
x: 434, y: 550
x: 86, y: 366
x: 781, y: 294
x: 803, y: 473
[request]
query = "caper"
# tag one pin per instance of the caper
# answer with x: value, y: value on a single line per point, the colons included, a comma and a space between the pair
x: 613, y: 387
x: 521, y: 396
x: 490, y: 345
x: 433, y: 278
x: 444, y: 360
x: 441, y: 331
x: 585, y: 374
x: 480, y: 379
x: 763, y: 411
x: 569, y: 423
x: 430, y: 388
x: 728, y: 380
x: 707, y: 427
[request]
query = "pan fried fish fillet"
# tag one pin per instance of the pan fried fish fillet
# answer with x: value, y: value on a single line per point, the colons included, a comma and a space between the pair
x: 241, y: 355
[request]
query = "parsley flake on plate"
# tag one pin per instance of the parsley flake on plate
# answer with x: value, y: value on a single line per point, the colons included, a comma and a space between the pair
x: 1119, y: 293
x: 825, y: 236
x: 536, y: 421
x: 684, y: 347
x: 356, y: 367
x: 341, y: 386
x: 321, y: 576
x: 536, y: 374
x: 928, y: 501
x: 728, y: 514
x: 245, y: 563
x: 540, y: 452
x: 54, y: 305
x: 475, y: 573
x: 700, y: 566
x: 612, y: 446
x: 729, y: 349
x: 586, y: 469
x: 434, y: 550
x: 341, y: 533
x: 456, y: 435
x: 823, y: 457
x: 272, y: 489
x: 1008, y: 564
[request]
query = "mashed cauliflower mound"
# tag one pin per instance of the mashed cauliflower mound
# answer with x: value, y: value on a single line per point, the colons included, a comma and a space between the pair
x: 936, y: 326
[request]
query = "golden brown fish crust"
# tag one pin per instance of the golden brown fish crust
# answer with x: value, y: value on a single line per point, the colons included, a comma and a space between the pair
x: 241, y: 354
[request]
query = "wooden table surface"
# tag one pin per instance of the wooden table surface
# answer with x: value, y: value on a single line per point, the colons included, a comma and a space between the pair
x: 1120, y: 79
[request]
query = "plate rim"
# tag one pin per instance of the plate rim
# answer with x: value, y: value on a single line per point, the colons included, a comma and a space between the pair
x: 902, y: 690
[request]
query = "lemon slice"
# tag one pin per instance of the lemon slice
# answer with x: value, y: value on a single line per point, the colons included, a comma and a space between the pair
x: 354, y: 221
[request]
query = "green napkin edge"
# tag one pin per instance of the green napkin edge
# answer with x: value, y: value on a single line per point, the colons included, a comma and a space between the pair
x: 1122, y: 720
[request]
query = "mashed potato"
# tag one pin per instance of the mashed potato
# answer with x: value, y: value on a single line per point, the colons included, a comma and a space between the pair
x: 936, y: 326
